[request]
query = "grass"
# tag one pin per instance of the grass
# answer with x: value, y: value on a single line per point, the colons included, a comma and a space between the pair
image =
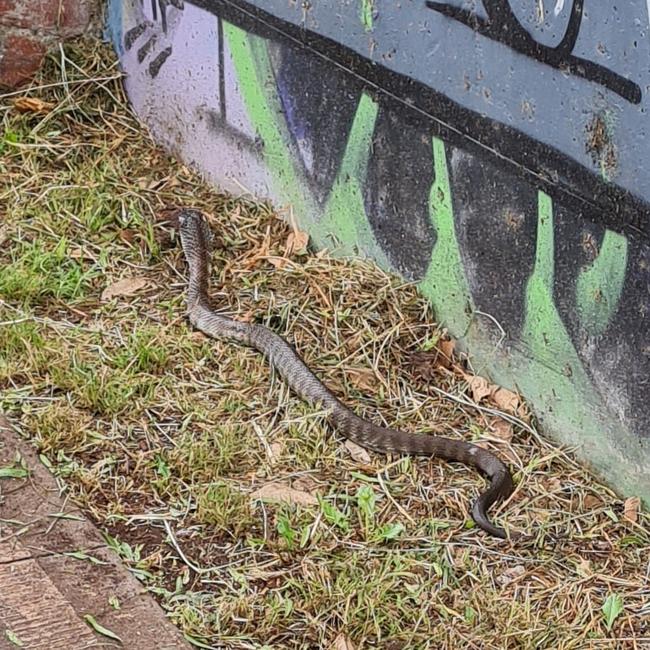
x: 166, y: 438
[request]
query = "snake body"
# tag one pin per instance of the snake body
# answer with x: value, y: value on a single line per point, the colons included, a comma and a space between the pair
x: 196, y: 239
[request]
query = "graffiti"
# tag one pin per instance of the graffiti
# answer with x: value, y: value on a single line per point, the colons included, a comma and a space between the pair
x: 503, y: 25
x: 158, y: 8
x: 549, y: 291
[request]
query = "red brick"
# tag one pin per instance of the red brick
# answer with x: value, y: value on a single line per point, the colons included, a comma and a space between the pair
x: 75, y: 16
x: 6, y: 7
x: 20, y: 58
x: 69, y: 16
x: 26, y: 15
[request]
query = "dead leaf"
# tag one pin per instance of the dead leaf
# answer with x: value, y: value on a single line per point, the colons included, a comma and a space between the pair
x: 278, y: 262
x: 505, y: 400
x: 362, y: 378
x: 479, y: 387
x: 284, y: 493
x: 511, y: 574
x: 358, y: 453
x: 342, y: 642
x: 502, y: 429
x: 592, y: 502
x: 297, y: 241
x: 127, y: 235
x: 124, y: 287
x: 425, y: 364
x: 446, y: 348
x: 32, y: 105
x: 631, y: 509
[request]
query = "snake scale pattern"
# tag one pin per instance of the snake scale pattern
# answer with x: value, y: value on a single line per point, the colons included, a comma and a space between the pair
x: 196, y: 239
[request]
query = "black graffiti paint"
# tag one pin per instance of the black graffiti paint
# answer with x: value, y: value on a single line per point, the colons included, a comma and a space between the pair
x: 161, y: 6
x: 549, y: 169
x: 396, y: 191
x: 318, y: 120
x: 133, y: 35
x: 503, y: 26
x: 495, y: 216
x: 158, y: 8
x: 156, y: 64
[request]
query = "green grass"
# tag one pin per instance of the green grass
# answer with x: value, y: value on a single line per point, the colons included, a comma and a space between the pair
x: 164, y: 436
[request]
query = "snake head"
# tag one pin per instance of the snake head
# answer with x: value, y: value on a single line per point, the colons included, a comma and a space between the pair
x: 194, y: 229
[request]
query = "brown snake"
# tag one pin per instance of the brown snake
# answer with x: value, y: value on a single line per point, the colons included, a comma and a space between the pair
x: 196, y: 239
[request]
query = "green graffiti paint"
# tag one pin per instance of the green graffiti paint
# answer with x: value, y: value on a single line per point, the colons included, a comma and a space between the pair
x: 444, y: 283
x: 344, y: 216
x: 599, y: 287
x: 366, y: 14
x: 543, y: 329
x: 550, y: 372
x: 255, y: 78
x: 546, y: 368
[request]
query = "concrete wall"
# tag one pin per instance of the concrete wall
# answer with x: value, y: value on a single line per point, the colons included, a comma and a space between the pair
x: 28, y: 28
x: 495, y: 152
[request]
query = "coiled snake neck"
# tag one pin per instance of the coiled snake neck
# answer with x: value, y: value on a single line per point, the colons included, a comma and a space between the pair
x: 196, y: 239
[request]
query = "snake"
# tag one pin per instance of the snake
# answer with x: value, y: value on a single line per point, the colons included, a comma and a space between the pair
x: 196, y: 241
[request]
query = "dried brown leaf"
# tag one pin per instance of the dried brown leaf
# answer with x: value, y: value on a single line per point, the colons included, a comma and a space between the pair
x: 124, y: 287
x: 32, y: 105
x: 342, y: 642
x: 505, y: 400
x: 362, y: 379
x: 631, y: 509
x: 446, y: 348
x: 502, y: 429
x: 425, y: 364
x: 592, y: 502
x: 284, y: 493
x: 297, y: 241
x: 358, y: 453
x: 479, y: 387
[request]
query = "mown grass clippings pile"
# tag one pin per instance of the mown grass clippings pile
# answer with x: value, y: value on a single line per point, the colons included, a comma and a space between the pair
x: 231, y: 500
